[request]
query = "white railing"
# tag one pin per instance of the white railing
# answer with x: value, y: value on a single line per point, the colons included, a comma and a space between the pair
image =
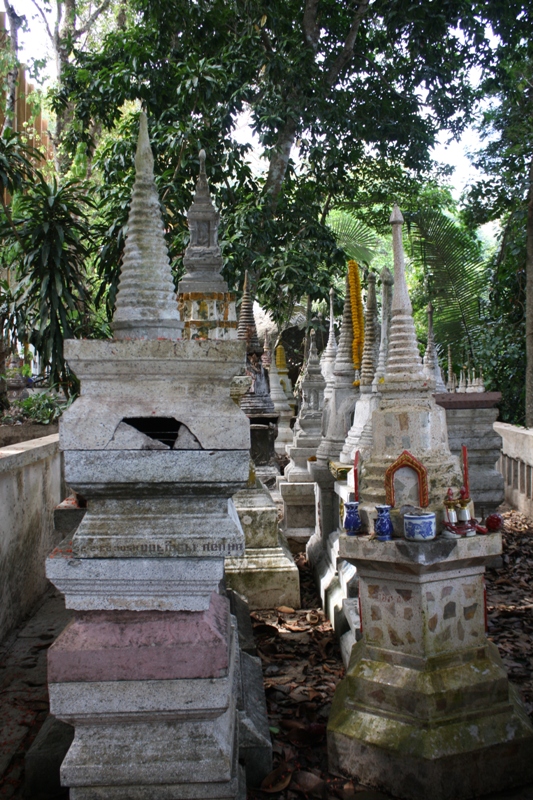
x: 30, y: 488
x: 516, y: 465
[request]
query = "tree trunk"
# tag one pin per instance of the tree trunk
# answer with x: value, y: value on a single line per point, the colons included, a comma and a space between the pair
x: 4, y: 402
x: 529, y: 302
x: 280, y: 160
x: 13, y: 73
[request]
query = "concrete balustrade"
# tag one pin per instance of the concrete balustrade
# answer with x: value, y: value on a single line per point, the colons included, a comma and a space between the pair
x: 30, y: 488
x: 516, y: 465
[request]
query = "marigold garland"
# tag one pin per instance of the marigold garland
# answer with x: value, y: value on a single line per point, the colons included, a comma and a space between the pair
x: 358, y: 322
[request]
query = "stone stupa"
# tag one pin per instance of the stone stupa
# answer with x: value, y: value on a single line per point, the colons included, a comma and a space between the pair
x: 408, y: 419
x: 149, y: 671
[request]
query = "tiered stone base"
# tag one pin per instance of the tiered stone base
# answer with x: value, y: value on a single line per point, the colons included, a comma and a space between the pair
x: 153, y: 698
x: 449, y: 731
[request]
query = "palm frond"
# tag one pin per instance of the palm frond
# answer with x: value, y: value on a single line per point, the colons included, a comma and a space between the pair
x: 456, y: 277
x: 353, y: 236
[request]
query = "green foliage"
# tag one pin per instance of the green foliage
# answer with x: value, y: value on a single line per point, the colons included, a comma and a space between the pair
x: 502, y: 345
x: 196, y: 66
x: 41, y: 407
x: 48, y: 246
x: 454, y: 279
x: 353, y: 236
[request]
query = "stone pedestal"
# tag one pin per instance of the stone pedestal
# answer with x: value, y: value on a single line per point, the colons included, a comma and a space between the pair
x: 426, y: 709
x: 266, y: 575
x: 299, y: 516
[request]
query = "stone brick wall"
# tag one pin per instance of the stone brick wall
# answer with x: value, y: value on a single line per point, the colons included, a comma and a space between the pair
x: 30, y: 488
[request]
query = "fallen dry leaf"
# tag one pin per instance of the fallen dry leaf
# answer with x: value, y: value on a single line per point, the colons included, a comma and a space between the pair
x: 277, y: 780
x: 308, y: 783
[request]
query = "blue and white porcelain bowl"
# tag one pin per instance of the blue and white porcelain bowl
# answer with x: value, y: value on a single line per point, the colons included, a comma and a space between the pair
x: 419, y: 527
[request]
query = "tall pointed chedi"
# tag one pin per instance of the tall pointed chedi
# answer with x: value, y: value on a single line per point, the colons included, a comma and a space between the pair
x: 281, y: 406
x: 336, y: 422
x: 146, y: 306
x: 149, y: 671
x: 247, y: 329
x: 387, y: 282
x: 408, y: 419
x: 339, y: 408
x: 327, y: 359
x: 308, y: 425
x: 367, y: 400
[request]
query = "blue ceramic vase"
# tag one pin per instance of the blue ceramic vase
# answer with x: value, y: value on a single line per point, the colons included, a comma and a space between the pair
x: 383, y: 524
x: 352, y: 520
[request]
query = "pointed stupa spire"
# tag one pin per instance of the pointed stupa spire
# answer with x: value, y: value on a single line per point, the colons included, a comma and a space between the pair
x: 247, y: 329
x: 387, y: 282
x: 327, y: 360
x: 313, y: 383
x: 343, y: 369
x: 371, y: 345
x: 431, y: 360
x: 146, y: 306
x: 202, y: 259
x: 404, y: 365
x: 266, y: 358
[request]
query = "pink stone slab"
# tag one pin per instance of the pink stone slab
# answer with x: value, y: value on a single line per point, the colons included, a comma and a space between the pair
x: 143, y: 645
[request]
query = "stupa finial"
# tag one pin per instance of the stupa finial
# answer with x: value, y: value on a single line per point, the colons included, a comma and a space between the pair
x: 327, y: 360
x: 144, y: 158
x: 146, y: 306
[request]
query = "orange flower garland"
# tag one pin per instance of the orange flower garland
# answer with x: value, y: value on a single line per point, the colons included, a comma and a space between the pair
x: 358, y: 322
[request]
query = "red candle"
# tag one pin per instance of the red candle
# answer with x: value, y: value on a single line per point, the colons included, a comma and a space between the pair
x: 356, y: 475
x: 465, y: 470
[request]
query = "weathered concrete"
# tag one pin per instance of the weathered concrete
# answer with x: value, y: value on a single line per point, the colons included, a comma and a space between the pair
x: 30, y: 488
x: 516, y: 465
x: 267, y: 575
x: 426, y: 705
